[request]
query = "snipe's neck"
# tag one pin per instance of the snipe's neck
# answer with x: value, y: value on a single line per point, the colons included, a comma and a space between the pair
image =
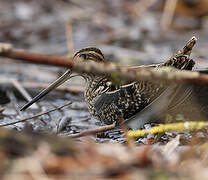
x: 95, y: 85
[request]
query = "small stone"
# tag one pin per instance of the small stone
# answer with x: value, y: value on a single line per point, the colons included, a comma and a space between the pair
x: 9, y: 112
x: 63, y: 123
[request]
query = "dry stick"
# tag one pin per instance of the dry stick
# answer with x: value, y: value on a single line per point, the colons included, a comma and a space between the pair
x: 40, y: 114
x: 129, y: 141
x: 164, y: 75
x: 20, y: 88
x: 69, y: 37
x: 169, y: 9
x: 94, y: 131
x: 2, y: 109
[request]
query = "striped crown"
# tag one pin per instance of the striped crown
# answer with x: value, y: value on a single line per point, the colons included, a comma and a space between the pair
x: 90, y: 53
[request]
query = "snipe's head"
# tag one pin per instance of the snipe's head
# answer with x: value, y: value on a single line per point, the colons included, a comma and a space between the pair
x: 90, y: 54
x: 86, y: 54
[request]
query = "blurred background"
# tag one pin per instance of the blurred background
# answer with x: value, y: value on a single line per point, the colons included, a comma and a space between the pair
x: 130, y: 32
x: 133, y: 32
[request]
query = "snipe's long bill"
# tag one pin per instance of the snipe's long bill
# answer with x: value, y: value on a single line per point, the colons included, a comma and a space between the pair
x: 136, y: 103
x: 93, y: 54
x: 54, y: 85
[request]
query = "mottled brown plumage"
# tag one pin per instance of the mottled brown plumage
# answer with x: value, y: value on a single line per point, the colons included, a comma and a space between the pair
x: 107, y: 102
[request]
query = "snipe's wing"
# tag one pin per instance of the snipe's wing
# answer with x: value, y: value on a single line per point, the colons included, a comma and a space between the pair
x: 188, y: 100
x: 171, y: 99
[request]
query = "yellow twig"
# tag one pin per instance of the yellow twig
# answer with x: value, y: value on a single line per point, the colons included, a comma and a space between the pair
x: 168, y: 127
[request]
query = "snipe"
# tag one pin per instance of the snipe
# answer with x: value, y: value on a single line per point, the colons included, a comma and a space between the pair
x: 109, y: 103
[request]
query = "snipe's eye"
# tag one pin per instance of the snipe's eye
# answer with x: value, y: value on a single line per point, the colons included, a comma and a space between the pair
x: 84, y: 56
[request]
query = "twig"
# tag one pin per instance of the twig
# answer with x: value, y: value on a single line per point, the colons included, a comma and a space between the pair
x: 21, y: 89
x: 129, y: 141
x: 2, y: 109
x: 94, y: 131
x: 40, y: 114
x: 69, y: 37
x: 169, y: 9
x: 192, y: 125
x: 162, y: 75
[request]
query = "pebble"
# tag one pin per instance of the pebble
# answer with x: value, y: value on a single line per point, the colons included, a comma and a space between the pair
x: 9, y: 112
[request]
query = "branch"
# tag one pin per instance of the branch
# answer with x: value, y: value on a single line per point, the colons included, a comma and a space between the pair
x: 162, y: 128
x: 164, y: 75
x: 93, y: 131
x: 35, y: 116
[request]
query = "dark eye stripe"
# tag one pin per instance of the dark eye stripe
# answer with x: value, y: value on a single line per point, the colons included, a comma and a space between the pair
x: 95, y: 56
